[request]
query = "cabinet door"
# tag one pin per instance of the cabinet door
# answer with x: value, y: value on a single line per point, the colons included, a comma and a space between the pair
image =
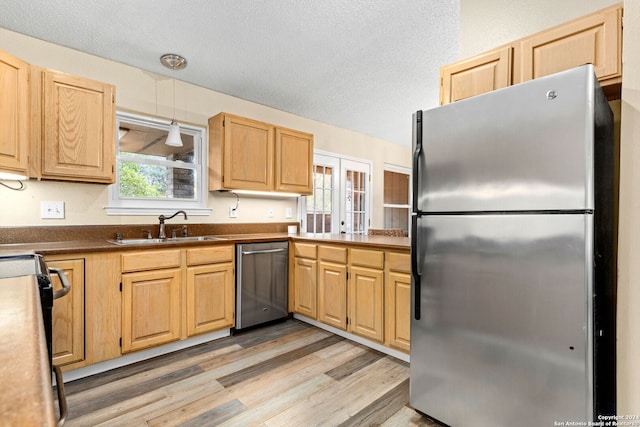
x: 150, y: 309
x: 248, y: 154
x: 14, y: 114
x: 593, y: 39
x: 78, y: 129
x: 365, y: 303
x: 68, y: 313
x: 480, y: 74
x: 305, y: 286
x: 332, y: 294
x: 398, y: 310
x: 210, y: 298
x: 293, y: 161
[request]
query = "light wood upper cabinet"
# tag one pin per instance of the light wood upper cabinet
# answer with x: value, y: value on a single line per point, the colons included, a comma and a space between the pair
x: 14, y: 115
x: 78, y: 124
x: 246, y: 154
x: 240, y: 154
x: 593, y: 39
x: 480, y: 74
x: 293, y: 161
x: 68, y: 313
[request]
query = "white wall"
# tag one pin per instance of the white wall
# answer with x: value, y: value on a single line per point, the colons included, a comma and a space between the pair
x: 487, y: 24
x: 148, y: 93
x: 629, y: 235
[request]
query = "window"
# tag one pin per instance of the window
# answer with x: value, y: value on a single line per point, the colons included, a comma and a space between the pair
x: 152, y: 177
x: 397, y: 205
x: 341, y: 198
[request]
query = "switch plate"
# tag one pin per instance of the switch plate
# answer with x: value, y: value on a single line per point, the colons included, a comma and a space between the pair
x: 270, y: 213
x: 53, y: 210
x: 288, y: 213
x: 233, y: 212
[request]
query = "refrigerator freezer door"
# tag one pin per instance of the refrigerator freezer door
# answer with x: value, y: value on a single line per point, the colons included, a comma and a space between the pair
x: 525, y: 147
x: 503, y: 339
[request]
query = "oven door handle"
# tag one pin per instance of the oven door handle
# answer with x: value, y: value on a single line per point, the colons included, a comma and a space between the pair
x: 62, y: 399
x: 66, y: 286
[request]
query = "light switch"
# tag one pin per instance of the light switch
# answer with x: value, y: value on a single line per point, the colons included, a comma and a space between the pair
x: 49, y: 210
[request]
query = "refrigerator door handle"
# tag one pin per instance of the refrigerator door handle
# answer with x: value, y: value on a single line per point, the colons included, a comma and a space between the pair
x: 417, y: 151
x: 414, y: 267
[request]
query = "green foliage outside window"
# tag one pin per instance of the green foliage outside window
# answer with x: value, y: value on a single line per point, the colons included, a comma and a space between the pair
x: 138, y: 180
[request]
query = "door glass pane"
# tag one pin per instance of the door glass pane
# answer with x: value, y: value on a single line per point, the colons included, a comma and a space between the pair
x: 319, y: 205
x: 355, y: 192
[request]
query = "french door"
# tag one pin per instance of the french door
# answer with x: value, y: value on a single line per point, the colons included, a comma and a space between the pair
x: 340, y: 201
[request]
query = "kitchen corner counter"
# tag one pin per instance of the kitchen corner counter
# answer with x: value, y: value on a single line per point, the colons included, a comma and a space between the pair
x: 384, y: 242
x: 26, y: 398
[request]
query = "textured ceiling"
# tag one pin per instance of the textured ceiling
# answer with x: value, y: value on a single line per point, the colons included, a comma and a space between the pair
x: 363, y: 65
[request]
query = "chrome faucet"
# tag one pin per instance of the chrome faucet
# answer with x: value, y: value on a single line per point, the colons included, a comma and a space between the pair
x: 162, y: 218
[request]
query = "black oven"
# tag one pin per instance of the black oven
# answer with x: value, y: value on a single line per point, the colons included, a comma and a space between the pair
x: 28, y: 264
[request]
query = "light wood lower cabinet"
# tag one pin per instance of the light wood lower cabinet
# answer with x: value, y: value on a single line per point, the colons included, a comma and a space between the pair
x: 366, y: 295
x: 150, y: 309
x: 210, y: 289
x: 305, y: 279
x: 305, y: 273
x: 332, y: 286
x: 398, y: 301
x: 68, y: 313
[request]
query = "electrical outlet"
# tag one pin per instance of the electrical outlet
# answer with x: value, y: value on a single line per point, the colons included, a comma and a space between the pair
x: 233, y: 212
x: 53, y: 210
x: 270, y: 214
x: 288, y: 213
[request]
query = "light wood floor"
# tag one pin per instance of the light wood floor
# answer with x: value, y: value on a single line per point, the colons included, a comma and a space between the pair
x: 287, y: 374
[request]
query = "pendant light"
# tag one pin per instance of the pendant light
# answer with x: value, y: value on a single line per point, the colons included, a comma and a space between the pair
x: 174, y: 62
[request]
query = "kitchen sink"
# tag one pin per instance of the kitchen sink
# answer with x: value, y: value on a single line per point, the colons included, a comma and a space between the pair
x: 168, y: 240
x: 193, y: 238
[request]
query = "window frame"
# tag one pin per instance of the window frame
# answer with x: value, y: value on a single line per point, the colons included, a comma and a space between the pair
x: 141, y: 206
x: 405, y: 171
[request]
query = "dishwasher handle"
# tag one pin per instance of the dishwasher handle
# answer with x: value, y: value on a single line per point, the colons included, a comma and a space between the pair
x: 264, y: 251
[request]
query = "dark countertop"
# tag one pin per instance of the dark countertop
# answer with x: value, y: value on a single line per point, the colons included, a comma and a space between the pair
x: 26, y: 395
x: 105, y: 245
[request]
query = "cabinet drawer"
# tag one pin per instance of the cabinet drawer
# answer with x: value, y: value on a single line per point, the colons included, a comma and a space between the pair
x: 367, y: 258
x: 303, y: 250
x: 150, y: 260
x: 214, y: 255
x: 332, y: 254
x: 399, y: 262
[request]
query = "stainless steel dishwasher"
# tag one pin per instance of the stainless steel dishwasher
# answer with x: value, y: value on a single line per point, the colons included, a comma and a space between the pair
x: 261, y: 283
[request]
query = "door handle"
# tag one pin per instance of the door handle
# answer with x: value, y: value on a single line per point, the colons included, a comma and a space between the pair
x: 66, y: 286
x: 264, y: 251
x: 415, y: 273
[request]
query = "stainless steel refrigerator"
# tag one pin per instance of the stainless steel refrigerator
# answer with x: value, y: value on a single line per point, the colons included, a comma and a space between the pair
x: 513, y: 270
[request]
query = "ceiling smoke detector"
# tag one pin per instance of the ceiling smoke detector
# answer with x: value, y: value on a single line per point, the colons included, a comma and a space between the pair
x: 173, y: 61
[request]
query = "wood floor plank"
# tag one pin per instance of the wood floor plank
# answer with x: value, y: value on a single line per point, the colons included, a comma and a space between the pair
x: 147, y: 375
x: 382, y: 408
x: 354, y: 365
x: 335, y: 405
x: 408, y: 417
x: 281, y: 375
x: 277, y: 361
x: 81, y: 408
x: 217, y: 415
x: 166, y: 399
